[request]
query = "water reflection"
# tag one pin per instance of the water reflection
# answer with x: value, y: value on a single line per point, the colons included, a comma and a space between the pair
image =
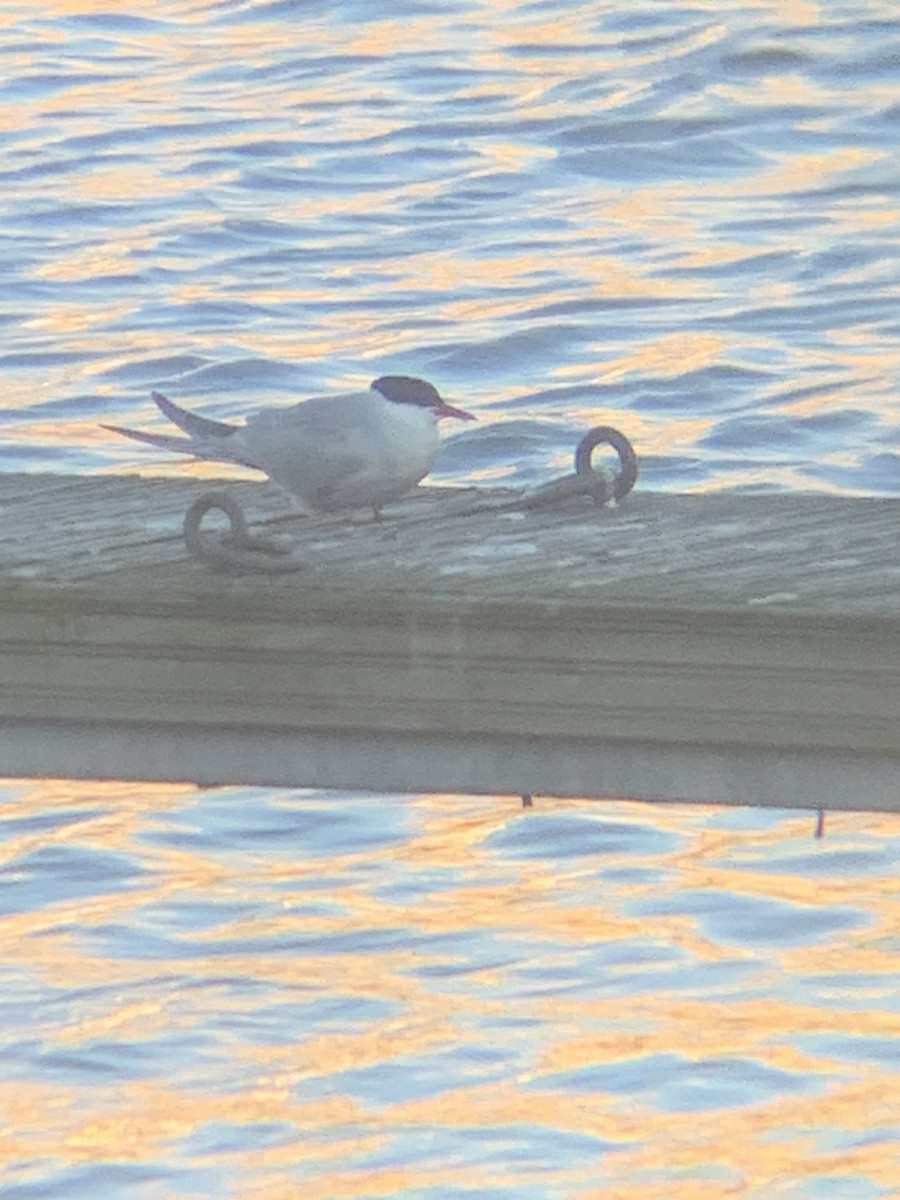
x: 373, y: 995
x: 509, y: 199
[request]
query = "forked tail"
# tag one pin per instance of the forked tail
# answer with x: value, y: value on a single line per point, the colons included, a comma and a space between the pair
x: 203, y: 434
x: 166, y: 441
x: 191, y: 424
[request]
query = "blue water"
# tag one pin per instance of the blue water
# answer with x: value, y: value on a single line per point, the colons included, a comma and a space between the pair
x: 680, y: 219
x: 261, y: 993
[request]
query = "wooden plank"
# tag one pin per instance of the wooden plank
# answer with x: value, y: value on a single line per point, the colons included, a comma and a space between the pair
x: 721, y: 647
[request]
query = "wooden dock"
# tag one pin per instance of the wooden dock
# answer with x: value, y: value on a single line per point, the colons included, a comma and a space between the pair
x: 735, y: 648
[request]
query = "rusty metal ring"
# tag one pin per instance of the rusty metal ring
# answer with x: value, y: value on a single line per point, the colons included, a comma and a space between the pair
x: 605, y: 435
x: 239, y: 549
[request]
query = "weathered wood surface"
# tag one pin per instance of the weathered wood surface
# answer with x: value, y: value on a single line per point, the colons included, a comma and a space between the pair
x: 734, y: 647
x: 810, y: 554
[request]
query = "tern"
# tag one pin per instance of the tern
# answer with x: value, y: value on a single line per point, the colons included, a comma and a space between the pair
x: 355, y: 450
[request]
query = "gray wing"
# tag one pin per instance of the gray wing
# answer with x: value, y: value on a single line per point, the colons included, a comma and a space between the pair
x: 319, y: 447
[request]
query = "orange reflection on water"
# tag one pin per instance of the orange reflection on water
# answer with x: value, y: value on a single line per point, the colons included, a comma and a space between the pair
x: 381, y: 37
x: 807, y: 171
x: 759, y: 1029
x: 669, y: 354
x: 796, y: 12
x: 87, y: 262
x: 123, y: 180
x: 163, y: 466
x: 74, y: 318
x: 562, y: 907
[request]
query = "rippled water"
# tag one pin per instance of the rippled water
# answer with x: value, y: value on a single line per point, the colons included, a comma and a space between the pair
x: 680, y: 219
x: 239, y: 993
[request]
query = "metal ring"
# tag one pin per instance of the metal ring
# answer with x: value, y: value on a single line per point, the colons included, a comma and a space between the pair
x: 602, y: 435
x: 239, y: 549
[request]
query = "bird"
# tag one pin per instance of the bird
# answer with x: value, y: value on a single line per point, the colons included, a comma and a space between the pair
x: 334, y: 453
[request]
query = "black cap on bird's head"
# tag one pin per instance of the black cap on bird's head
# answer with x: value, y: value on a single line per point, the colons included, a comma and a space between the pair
x: 406, y: 389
